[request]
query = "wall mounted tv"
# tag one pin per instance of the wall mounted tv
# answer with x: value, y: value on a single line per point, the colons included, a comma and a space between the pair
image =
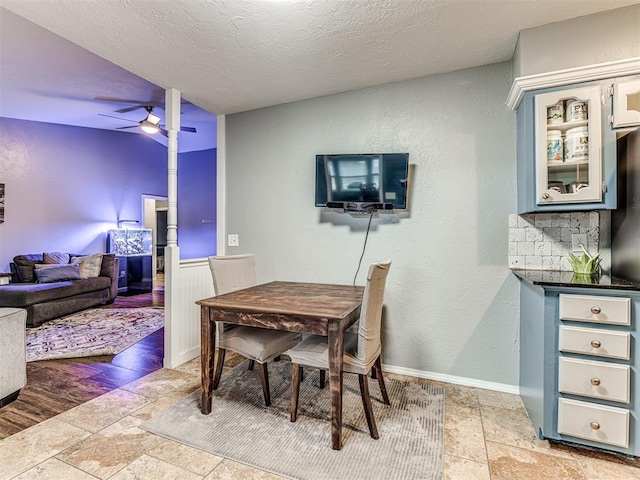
x: 362, y: 181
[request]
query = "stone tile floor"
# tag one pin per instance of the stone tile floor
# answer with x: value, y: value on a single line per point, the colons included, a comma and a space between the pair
x: 487, y: 436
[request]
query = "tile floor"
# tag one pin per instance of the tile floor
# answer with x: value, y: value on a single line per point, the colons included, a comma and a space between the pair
x: 487, y: 436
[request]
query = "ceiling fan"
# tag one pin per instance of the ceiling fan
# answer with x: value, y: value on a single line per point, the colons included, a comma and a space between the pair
x: 150, y: 124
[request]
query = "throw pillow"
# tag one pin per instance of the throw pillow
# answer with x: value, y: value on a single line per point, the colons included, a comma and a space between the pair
x: 24, y: 267
x: 56, y: 257
x: 89, y: 265
x: 57, y: 273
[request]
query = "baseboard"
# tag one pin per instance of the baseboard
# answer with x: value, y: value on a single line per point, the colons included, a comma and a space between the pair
x: 182, y: 357
x: 467, y: 382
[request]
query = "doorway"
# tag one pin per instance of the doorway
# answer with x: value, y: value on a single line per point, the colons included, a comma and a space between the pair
x: 154, y: 213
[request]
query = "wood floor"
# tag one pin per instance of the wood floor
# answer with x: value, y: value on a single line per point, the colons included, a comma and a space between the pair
x: 55, y: 386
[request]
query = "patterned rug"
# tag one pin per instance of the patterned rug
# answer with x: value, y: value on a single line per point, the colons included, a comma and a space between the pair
x: 241, y: 428
x: 105, y: 331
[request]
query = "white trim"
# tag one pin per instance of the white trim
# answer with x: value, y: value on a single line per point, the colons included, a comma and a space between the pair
x: 618, y: 68
x: 221, y: 186
x: 194, y: 262
x: 467, y: 382
x: 184, y: 356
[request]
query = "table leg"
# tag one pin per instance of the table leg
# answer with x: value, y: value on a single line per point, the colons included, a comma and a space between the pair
x: 207, y: 351
x: 335, y: 340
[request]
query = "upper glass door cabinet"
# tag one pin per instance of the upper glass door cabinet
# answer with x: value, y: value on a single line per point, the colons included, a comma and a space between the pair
x: 568, y: 146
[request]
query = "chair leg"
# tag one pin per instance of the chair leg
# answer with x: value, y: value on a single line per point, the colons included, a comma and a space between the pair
x: 368, y: 409
x: 264, y: 379
x: 322, y: 378
x: 219, y: 365
x: 377, y: 367
x: 295, y: 391
x: 251, y: 364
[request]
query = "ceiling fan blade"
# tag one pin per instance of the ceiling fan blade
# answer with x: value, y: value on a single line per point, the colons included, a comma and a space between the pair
x: 119, y: 118
x: 130, y: 126
x: 184, y: 129
x: 129, y: 109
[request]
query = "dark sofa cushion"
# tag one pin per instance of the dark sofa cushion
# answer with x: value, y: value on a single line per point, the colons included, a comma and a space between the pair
x: 23, y: 295
x: 25, y: 266
x: 57, y: 273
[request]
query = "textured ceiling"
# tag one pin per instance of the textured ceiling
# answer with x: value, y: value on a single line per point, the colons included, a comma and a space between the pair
x: 237, y: 55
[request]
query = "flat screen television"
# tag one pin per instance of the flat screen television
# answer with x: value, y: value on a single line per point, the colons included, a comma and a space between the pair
x: 362, y: 181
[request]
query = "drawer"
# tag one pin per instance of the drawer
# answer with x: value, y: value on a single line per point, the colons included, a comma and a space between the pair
x: 595, y: 341
x: 599, y: 423
x: 587, y: 308
x: 608, y: 381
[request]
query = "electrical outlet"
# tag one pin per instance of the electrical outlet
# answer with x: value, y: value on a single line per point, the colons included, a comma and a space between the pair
x: 578, y: 239
x: 232, y: 240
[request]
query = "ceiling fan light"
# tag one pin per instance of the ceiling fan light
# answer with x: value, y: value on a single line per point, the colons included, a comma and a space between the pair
x: 149, y: 127
x: 153, y: 119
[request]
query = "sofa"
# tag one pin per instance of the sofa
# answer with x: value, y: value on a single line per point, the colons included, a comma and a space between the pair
x: 47, y: 287
x: 13, y: 359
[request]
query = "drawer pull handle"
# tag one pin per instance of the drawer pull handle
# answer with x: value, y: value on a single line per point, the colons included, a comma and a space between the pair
x: 596, y: 343
x: 595, y: 425
x: 595, y: 382
x: 596, y: 310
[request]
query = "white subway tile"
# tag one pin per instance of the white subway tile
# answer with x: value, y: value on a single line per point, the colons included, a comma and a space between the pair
x: 525, y: 248
x: 533, y: 262
x: 516, y: 261
x: 542, y: 248
x: 533, y: 235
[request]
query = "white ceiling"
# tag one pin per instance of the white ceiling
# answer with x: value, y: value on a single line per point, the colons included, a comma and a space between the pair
x: 237, y: 55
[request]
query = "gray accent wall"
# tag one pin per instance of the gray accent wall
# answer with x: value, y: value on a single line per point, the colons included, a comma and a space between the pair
x: 591, y: 39
x: 451, y: 304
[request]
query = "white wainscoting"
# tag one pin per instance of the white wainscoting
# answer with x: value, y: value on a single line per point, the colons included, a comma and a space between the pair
x: 186, y: 282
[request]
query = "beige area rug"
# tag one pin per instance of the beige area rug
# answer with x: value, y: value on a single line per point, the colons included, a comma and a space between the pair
x: 242, y: 429
x: 106, y: 331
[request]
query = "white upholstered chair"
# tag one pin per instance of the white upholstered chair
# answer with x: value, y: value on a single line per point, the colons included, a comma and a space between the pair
x: 237, y: 272
x: 361, y: 350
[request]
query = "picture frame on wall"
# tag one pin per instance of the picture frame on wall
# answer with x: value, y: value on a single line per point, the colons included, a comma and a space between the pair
x: 1, y: 202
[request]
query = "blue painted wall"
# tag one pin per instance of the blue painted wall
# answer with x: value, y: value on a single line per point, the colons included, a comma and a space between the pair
x: 66, y: 186
x: 196, y: 204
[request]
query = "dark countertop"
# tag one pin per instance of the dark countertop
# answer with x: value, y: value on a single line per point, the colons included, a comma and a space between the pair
x: 554, y: 278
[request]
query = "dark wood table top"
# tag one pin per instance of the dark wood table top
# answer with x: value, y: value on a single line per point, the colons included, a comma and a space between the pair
x: 319, y: 300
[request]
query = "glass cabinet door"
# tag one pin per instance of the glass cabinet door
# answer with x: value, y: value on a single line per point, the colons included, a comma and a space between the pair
x: 567, y: 146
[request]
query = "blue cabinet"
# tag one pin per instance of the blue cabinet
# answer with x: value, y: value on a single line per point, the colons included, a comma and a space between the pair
x: 579, y: 365
x: 566, y: 150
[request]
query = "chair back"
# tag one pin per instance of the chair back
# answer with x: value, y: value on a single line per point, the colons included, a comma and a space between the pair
x: 233, y: 272
x: 371, y: 312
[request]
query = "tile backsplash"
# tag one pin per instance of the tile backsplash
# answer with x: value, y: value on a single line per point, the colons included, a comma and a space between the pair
x: 542, y: 241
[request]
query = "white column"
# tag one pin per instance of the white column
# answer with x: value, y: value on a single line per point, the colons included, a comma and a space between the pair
x: 172, y: 329
x: 172, y: 123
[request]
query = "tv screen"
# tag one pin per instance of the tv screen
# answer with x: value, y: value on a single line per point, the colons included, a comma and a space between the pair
x: 352, y: 181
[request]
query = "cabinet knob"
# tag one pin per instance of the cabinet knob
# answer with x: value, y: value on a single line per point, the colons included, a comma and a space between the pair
x: 595, y: 382
x: 595, y: 344
x: 546, y: 196
x: 596, y: 310
x: 595, y: 425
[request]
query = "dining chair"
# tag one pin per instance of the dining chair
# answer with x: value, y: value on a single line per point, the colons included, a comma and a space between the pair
x: 361, y: 350
x: 259, y: 345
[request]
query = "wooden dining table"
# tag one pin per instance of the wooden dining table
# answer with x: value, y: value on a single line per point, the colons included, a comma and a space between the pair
x: 315, y: 308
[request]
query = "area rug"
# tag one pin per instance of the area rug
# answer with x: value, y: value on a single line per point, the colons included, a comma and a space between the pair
x: 106, y: 331
x: 242, y: 429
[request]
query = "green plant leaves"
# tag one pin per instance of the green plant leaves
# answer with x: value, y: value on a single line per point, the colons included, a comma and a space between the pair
x: 584, y: 263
